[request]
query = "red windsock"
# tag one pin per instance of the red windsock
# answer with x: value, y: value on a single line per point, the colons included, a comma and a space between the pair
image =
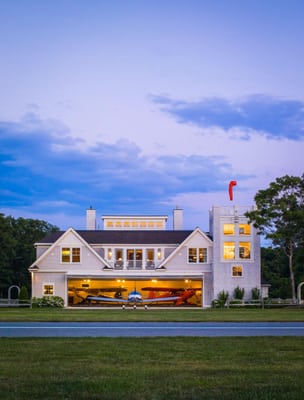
x: 231, y: 184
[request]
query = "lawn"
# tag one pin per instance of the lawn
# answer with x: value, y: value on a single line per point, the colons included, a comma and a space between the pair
x: 152, y: 368
x: 151, y: 314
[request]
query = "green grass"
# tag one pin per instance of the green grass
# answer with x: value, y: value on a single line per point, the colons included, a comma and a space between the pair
x: 190, y: 315
x: 152, y: 368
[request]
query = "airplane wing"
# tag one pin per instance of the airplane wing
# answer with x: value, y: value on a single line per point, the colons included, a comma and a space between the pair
x: 106, y: 299
x: 161, y: 299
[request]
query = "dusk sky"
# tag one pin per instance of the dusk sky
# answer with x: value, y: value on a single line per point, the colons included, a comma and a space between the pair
x: 139, y: 106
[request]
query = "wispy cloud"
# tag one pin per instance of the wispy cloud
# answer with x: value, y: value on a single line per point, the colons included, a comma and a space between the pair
x: 257, y: 114
x: 42, y: 166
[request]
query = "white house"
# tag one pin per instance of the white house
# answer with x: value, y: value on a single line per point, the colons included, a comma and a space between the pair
x: 139, y: 251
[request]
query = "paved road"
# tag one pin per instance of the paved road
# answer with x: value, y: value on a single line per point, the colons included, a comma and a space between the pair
x: 152, y: 329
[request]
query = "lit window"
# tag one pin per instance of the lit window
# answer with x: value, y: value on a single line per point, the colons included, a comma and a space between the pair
x: 244, y: 229
x: 48, y: 289
x: 70, y: 255
x: 127, y: 224
x: 229, y: 250
x: 197, y: 255
x: 192, y: 255
x: 237, y: 270
x: 202, y: 255
x: 65, y: 254
x: 150, y: 254
x: 75, y: 254
x: 244, y: 250
x: 228, y: 229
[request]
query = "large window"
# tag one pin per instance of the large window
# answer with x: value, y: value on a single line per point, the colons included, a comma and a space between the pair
x: 229, y: 250
x: 70, y: 254
x: 197, y: 255
x: 134, y: 258
x: 228, y: 229
x: 244, y: 250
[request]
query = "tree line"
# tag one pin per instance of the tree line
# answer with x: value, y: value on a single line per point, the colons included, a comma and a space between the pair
x: 17, y: 249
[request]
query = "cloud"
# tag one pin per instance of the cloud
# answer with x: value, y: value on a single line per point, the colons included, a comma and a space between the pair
x: 272, y: 117
x: 43, y: 168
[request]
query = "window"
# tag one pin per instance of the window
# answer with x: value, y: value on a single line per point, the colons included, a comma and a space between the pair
x: 134, y: 257
x: 197, y: 255
x: 237, y: 270
x: 48, y: 289
x: 118, y: 258
x: 228, y: 229
x: 229, y: 250
x: 70, y: 254
x: 244, y: 250
x: 192, y: 255
x: 244, y: 229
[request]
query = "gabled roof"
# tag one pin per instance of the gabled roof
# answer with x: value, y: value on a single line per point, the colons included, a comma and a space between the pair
x: 57, y: 238
x: 162, y: 237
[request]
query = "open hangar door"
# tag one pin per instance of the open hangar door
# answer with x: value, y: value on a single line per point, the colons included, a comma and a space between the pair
x: 110, y: 292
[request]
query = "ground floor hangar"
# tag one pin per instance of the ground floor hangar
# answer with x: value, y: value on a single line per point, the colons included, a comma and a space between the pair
x: 184, y: 292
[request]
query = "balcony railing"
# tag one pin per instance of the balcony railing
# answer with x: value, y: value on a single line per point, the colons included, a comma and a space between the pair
x: 133, y: 265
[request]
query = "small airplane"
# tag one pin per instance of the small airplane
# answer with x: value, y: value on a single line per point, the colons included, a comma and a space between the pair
x: 178, y: 296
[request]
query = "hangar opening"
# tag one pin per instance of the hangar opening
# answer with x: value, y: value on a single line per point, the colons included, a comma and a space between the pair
x: 115, y: 292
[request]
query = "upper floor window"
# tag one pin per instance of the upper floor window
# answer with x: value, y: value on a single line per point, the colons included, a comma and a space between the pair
x: 70, y: 254
x: 229, y: 250
x: 197, y: 255
x: 228, y: 229
x: 244, y: 250
x: 244, y: 229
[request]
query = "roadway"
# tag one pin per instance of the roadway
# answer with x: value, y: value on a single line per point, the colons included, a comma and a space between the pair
x: 149, y: 329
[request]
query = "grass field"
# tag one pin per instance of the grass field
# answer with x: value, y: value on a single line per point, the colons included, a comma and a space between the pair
x: 152, y: 314
x: 179, y: 368
x: 152, y: 368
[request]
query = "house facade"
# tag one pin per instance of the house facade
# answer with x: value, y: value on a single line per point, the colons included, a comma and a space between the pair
x: 139, y: 252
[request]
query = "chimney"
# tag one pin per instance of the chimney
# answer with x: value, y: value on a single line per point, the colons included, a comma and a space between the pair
x: 177, y: 219
x: 91, y: 219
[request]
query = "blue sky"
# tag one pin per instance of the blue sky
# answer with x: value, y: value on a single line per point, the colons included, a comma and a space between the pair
x: 138, y: 106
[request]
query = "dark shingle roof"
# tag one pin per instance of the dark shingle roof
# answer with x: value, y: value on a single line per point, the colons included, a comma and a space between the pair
x: 125, y: 237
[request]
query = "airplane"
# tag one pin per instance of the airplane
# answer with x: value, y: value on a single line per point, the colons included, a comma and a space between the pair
x: 183, y: 294
x: 178, y: 296
x: 81, y: 295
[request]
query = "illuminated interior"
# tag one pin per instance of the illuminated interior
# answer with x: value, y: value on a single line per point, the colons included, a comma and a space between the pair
x: 80, y: 289
x: 228, y: 229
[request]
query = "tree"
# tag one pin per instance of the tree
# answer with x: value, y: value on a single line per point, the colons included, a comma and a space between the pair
x: 17, y: 250
x: 280, y: 217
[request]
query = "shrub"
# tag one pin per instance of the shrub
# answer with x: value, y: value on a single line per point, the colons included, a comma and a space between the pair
x: 255, y: 293
x: 23, y: 295
x: 48, y: 301
x: 222, y: 298
x: 239, y: 293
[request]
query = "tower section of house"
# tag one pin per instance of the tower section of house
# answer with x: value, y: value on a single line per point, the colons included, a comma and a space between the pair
x: 236, y: 251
